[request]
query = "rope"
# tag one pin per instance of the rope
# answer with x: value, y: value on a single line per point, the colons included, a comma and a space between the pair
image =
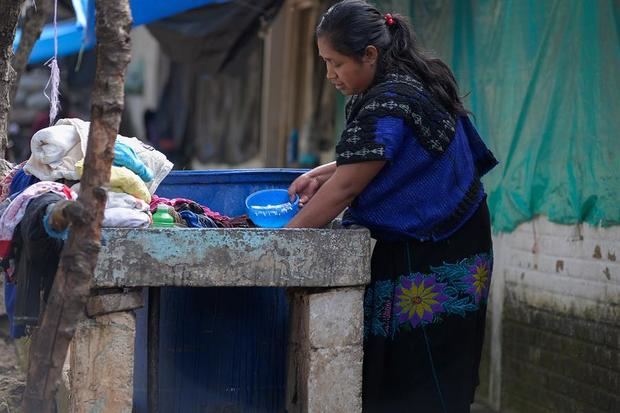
x: 54, y: 80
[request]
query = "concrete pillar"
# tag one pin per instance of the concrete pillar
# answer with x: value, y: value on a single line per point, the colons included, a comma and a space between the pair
x: 325, y: 350
x: 102, y: 358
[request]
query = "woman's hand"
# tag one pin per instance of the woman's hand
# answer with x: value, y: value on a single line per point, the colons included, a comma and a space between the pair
x: 307, y: 184
x: 343, y: 186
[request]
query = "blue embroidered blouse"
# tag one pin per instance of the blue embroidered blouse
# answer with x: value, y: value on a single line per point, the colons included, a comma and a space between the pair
x: 430, y: 185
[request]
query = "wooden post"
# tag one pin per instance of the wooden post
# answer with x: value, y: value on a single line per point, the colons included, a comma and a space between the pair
x: 67, y: 300
x: 9, y: 14
x: 32, y: 26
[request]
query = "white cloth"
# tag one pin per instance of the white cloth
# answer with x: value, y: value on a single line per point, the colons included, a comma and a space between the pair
x: 57, y: 149
x: 118, y: 200
x: 123, y: 210
x: 123, y: 200
x: 125, y: 218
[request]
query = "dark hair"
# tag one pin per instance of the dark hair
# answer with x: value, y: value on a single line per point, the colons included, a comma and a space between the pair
x: 352, y: 25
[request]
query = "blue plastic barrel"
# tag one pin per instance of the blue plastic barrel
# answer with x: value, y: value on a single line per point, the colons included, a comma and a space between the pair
x: 220, y: 349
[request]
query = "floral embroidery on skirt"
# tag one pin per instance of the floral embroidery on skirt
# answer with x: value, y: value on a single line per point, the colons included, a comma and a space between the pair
x: 417, y: 299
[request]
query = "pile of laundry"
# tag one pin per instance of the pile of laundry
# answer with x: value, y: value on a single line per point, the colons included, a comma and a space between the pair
x: 30, y: 247
x: 188, y: 213
x: 57, y: 156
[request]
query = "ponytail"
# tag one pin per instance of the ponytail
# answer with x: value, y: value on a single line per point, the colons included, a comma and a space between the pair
x: 403, y: 55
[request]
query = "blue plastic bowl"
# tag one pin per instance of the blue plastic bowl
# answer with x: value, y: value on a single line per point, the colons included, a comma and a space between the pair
x: 271, y: 208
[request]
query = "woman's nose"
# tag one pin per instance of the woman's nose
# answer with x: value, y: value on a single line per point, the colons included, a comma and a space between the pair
x: 331, y: 75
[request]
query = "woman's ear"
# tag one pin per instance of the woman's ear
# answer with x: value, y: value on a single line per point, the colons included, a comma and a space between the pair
x: 371, y: 54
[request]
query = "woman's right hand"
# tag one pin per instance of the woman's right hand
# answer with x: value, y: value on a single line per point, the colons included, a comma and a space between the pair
x: 305, y: 186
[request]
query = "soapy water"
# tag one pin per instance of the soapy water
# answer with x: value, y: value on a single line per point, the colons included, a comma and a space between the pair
x: 272, y: 210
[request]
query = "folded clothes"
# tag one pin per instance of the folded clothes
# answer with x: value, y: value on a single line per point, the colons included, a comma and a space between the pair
x: 57, y: 149
x: 125, y: 218
x: 123, y: 200
x: 123, y: 180
x: 125, y: 156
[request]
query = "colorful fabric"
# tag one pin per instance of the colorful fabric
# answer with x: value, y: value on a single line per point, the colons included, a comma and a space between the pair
x: 47, y: 226
x: 123, y: 180
x: 424, y: 321
x: 125, y: 156
x: 178, y: 220
x: 21, y: 181
x: 418, y: 299
x: 194, y: 220
x: 15, y: 330
x: 57, y: 149
x: 398, y: 96
x: 5, y: 204
x: 154, y: 160
x: 15, y: 212
x: 181, y: 204
x: 431, y: 183
x: 36, y: 257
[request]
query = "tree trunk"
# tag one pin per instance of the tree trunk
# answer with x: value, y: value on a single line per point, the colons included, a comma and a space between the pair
x: 32, y: 26
x: 66, y: 304
x: 9, y: 14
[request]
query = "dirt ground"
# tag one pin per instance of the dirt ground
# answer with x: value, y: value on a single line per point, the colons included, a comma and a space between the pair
x: 11, y: 376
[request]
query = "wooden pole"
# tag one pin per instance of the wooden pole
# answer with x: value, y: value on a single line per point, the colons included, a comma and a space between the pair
x: 67, y: 300
x: 32, y: 26
x: 9, y: 14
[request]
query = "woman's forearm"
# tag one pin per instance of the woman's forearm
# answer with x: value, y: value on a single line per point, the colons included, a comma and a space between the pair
x: 343, y: 185
x: 323, y: 173
x: 328, y: 202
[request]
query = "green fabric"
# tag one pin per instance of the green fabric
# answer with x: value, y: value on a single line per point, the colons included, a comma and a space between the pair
x: 543, y: 78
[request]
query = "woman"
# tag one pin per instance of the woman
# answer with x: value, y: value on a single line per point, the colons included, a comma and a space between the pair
x: 408, y: 166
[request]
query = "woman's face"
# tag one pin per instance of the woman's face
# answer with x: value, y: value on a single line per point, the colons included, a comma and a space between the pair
x: 349, y: 75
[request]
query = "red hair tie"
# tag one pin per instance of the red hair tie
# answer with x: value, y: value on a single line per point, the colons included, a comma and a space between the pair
x: 389, y: 19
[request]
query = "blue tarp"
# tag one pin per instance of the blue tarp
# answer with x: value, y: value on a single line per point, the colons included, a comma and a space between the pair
x: 74, y: 35
x: 148, y: 11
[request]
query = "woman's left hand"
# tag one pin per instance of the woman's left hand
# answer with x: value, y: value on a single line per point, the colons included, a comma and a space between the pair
x: 305, y: 186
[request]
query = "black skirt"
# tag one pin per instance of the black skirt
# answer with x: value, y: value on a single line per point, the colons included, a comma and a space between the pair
x: 424, y: 317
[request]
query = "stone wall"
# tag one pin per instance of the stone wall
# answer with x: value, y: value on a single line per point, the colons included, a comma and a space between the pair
x: 553, y: 335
